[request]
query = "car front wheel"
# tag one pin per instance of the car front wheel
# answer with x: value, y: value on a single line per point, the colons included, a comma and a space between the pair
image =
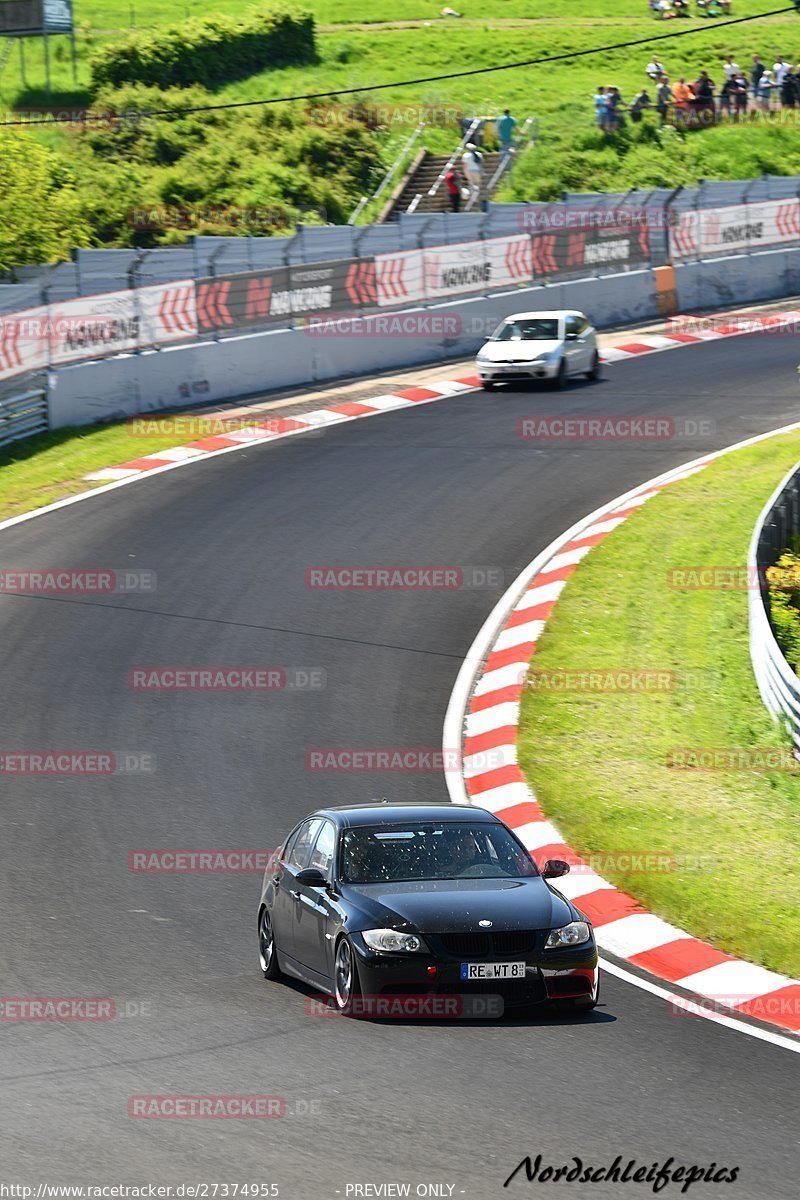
x: 560, y: 380
x: 266, y: 948
x: 594, y: 373
x: 347, y: 986
x: 488, y: 385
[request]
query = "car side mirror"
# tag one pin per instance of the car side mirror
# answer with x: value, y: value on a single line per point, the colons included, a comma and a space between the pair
x: 554, y: 868
x: 311, y: 877
x: 572, y: 337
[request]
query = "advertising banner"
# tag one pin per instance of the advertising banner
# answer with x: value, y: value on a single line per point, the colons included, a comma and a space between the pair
x: 705, y: 231
x: 96, y: 326
x: 261, y: 298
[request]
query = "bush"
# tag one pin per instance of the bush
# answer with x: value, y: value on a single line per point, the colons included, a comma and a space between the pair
x: 783, y: 580
x: 211, y: 50
x: 41, y: 217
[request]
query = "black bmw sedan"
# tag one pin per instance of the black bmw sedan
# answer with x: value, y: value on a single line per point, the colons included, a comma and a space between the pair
x: 396, y: 900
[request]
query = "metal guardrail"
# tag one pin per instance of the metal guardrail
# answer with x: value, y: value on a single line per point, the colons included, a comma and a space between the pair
x: 525, y: 138
x: 95, y: 271
x: 778, y: 684
x: 389, y: 176
x: 22, y: 415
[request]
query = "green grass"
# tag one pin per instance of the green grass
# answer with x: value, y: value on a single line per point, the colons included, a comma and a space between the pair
x: 363, y: 49
x: 598, y: 761
x: 51, y: 466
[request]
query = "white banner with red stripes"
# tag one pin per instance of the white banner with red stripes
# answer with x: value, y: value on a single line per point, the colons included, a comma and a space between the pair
x: 95, y: 326
x: 443, y: 271
x: 735, y: 227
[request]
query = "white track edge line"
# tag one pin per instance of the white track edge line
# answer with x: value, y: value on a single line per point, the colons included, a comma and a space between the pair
x: 453, y: 730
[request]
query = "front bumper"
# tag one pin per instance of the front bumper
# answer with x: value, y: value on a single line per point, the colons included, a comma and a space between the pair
x: 550, y: 976
x: 498, y: 372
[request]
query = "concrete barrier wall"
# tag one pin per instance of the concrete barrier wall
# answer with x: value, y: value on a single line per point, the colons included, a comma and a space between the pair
x: 740, y: 279
x: 115, y: 388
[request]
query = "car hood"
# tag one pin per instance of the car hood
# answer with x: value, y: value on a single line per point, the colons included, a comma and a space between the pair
x: 518, y: 351
x: 456, y: 906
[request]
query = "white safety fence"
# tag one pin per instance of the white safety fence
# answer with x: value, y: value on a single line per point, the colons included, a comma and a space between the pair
x: 777, y: 682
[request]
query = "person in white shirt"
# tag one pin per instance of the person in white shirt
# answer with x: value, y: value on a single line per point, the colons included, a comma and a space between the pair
x: 655, y: 69
x: 730, y: 67
x: 472, y: 166
x: 779, y: 70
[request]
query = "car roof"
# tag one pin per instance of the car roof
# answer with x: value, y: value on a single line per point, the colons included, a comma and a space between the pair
x: 550, y: 312
x: 376, y: 813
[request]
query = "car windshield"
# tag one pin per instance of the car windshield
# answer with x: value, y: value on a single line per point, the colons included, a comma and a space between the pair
x: 451, y: 850
x: 532, y: 329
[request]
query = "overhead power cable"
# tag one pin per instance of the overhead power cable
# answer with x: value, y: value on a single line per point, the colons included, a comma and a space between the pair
x: 140, y: 114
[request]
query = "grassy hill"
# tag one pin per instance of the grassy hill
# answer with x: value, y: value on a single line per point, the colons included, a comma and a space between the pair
x: 275, y: 155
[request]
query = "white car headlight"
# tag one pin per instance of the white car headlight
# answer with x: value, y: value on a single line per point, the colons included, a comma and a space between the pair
x: 392, y: 941
x: 573, y: 934
x: 483, y: 357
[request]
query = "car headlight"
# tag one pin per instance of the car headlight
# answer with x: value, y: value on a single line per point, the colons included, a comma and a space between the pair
x: 573, y: 934
x: 483, y: 358
x: 392, y: 941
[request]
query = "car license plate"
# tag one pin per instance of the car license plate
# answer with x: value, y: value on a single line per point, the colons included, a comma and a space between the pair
x: 506, y: 970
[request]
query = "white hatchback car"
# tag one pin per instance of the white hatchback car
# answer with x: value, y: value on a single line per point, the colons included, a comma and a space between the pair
x: 540, y: 345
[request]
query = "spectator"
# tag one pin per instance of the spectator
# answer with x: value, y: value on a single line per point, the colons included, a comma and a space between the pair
x: 472, y: 166
x: 704, y: 107
x: 663, y: 98
x: 640, y: 101
x: 739, y: 94
x: 615, y: 107
x: 601, y: 107
x: 779, y: 70
x: 505, y: 127
x: 655, y: 69
x: 790, y: 88
x: 766, y: 87
x: 681, y: 8
x: 756, y: 71
x: 683, y: 97
x: 730, y: 67
x: 453, y: 190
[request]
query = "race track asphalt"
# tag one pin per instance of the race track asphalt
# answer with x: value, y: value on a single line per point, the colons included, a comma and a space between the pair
x: 230, y: 540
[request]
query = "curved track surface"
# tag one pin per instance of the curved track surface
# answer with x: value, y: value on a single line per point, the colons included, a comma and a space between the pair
x: 231, y: 540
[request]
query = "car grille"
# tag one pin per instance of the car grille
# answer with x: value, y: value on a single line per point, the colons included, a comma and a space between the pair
x: 481, y: 945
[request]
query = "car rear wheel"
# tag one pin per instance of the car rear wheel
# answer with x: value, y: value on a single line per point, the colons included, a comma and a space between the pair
x: 347, y: 985
x: 596, y: 369
x: 266, y: 948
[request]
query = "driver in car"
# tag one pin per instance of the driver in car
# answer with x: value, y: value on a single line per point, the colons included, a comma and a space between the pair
x: 459, y: 854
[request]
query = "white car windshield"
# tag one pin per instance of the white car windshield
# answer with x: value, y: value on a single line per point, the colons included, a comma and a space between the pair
x: 536, y: 329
